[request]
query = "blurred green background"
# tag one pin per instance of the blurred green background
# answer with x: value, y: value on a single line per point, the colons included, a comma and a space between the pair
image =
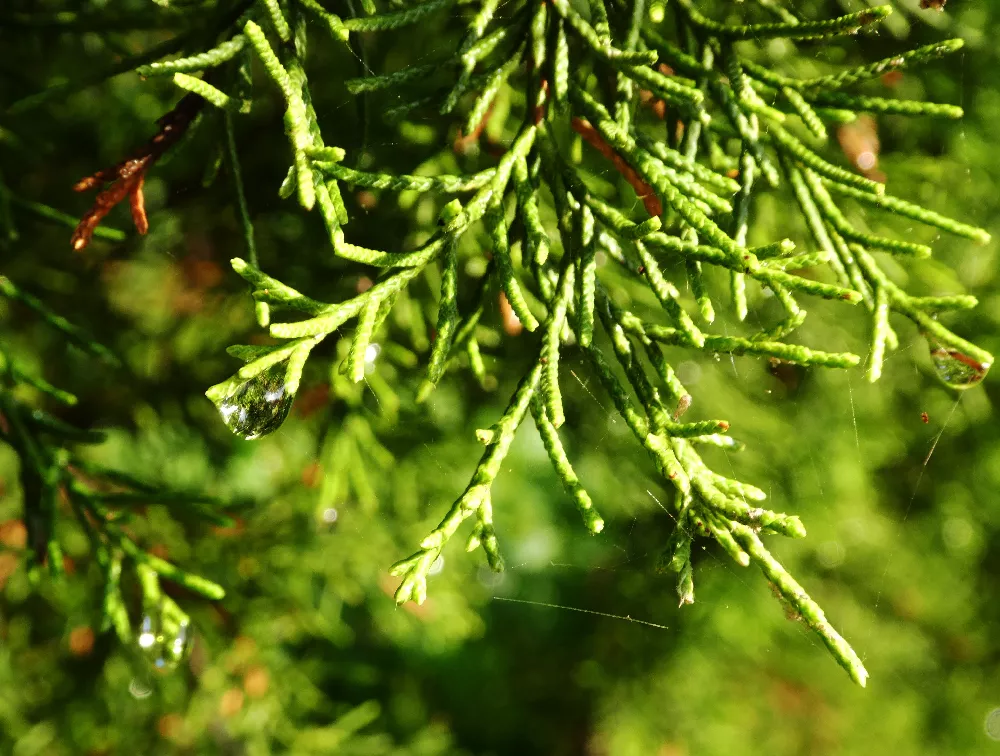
x: 308, y: 654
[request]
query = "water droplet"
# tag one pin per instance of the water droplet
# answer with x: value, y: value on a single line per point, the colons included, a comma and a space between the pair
x: 146, y: 636
x: 330, y: 515
x: 489, y: 578
x: 957, y: 369
x: 257, y: 406
x: 993, y: 724
x: 688, y: 372
x: 139, y: 688
x: 164, y: 642
x: 437, y: 566
x: 866, y: 160
x: 830, y: 554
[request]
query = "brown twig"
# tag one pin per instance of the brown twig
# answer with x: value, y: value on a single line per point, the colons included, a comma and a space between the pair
x: 127, y: 178
x: 654, y: 103
x: 464, y: 142
x: 542, y: 104
x: 643, y: 190
x: 651, y: 101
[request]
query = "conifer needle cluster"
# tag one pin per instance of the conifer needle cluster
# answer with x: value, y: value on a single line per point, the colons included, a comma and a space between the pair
x: 636, y: 138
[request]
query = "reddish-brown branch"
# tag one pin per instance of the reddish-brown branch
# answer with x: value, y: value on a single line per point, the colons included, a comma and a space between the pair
x: 127, y: 178
x: 654, y: 103
x: 463, y: 142
x: 651, y: 101
x: 512, y: 325
x: 542, y: 105
x: 643, y: 190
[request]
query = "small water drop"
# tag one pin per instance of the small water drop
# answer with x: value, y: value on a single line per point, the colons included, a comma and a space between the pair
x: 164, y: 642
x: 437, y: 567
x: 830, y: 554
x: 957, y: 369
x: 489, y: 578
x: 992, y: 724
x: 182, y: 641
x: 689, y: 372
x: 139, y: 689
x: 146, y: 635
x: 330, y: 515
x: 257, y: 406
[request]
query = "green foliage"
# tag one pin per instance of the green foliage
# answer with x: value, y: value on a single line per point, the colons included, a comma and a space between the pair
x: 52, y: 477
x: 722, y: 102
x: 616, y: 210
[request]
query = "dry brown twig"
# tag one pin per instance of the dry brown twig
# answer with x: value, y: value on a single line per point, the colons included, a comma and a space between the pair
x: 126, y: 179
x: 642, y: 189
